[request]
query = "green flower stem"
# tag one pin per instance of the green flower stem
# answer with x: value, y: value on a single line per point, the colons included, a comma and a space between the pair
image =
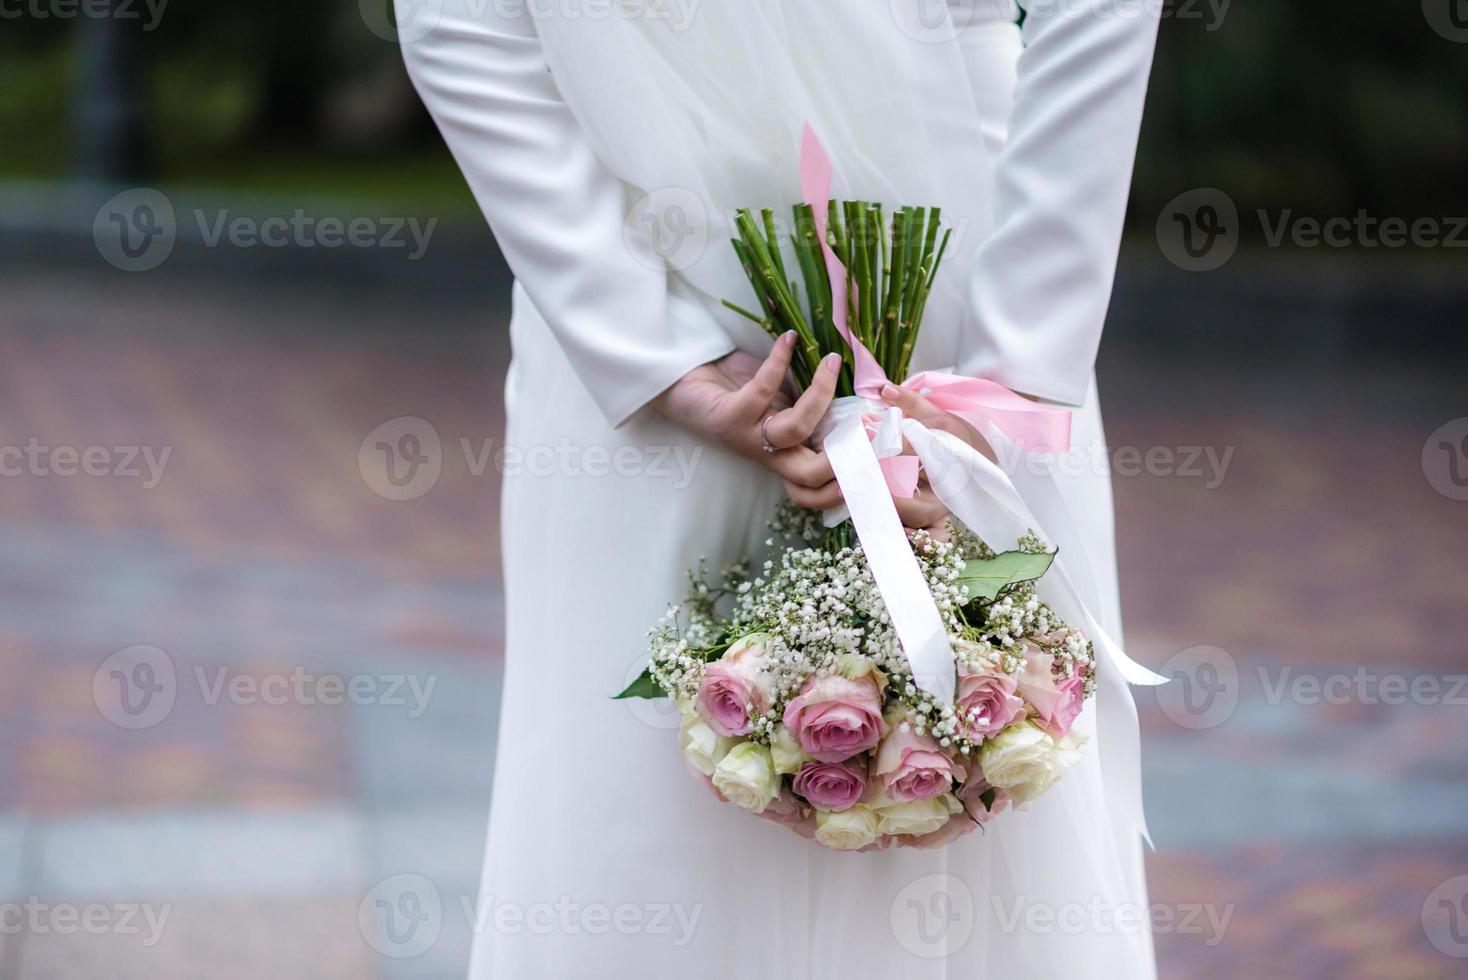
x: 772, y: 243
x: 862, y: 237
x: 769, y: 326
x: 775, y: 323
x: 836, y: 230
x: 869, y: 276
x: 932, y: 277
x: 776, y: 286
x: 756, y: 280
x: 813, y: 269
x: 894, y: 260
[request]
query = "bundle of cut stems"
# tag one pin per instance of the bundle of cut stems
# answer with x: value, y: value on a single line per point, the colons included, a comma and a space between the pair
x: 890, y: 270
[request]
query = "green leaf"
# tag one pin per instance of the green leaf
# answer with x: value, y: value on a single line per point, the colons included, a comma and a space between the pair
x: 644, y: 687
x: 986, y: 576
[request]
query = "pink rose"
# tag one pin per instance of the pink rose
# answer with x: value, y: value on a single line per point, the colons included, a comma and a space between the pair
x: 986, y: 701
x: 1057, y: 701
x: 832, y: 786
x: 972, y: 795
x: 912, y: 766
x: 836, y: 717
x: 789, y: 811
x: 733, y: 688
x: 1072, y: 699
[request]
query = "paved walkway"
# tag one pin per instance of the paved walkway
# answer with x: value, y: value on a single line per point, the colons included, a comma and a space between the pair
x: 248, y: 718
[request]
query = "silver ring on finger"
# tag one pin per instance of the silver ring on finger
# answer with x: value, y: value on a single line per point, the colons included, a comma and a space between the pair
x: 769, y: 447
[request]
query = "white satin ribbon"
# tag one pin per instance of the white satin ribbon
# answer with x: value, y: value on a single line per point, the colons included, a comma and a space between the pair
x: 984, y: 498
x: 900, y: 580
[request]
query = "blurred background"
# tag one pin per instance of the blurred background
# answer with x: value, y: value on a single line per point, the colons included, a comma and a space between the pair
x: 250, y: 675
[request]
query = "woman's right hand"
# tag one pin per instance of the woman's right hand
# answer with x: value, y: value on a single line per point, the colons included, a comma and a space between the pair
x: 740, y: 402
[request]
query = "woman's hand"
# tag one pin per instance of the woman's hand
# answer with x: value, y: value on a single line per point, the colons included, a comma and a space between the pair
x: 915, y: 406
x: 741, y: 403
x: 925, y: 510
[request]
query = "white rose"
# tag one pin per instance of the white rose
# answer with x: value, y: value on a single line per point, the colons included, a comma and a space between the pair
x: 1064, y: 754
x: 702, y: 746
x: 1016, y: 755
x: 849, y: 830
x: 1025, y: 762
x: 747, y: 778
x: 917, y: 817
x: 786, y: 751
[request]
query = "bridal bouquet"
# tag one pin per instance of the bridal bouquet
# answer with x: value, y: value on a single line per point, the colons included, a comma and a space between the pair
x: 799, y: 702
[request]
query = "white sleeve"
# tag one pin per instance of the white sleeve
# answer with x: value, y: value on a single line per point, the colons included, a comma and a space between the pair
x: 1042, y: 281
x: 556, y: 211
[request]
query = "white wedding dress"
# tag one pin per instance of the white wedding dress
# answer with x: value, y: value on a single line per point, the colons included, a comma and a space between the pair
x: 605, y: 152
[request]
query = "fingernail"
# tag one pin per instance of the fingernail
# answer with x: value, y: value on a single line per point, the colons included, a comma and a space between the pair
x: 788, y: 339
x: 832, y: 363
x: 891, y: 392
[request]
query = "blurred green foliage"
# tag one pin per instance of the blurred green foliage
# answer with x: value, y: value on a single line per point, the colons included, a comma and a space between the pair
x: 34, y: 87
x: 295, y: 98
x: 1282, y: 105
x: 1322, y: 110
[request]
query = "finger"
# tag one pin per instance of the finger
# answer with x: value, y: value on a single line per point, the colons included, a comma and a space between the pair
x: 764, y: 387
x: 913, y: 404
x: 924, y: 510
x: 941, y: 532
x: 794, y: 426
x: 804, y: 466
x: 823, y: 498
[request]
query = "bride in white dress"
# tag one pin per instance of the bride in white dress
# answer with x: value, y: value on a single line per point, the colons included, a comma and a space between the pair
x: 606, y: 142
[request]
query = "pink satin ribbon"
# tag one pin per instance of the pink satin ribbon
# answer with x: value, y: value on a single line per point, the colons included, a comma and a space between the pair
x: 815, y: 187
x: 1030, y: 426
x: 901, y: 474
